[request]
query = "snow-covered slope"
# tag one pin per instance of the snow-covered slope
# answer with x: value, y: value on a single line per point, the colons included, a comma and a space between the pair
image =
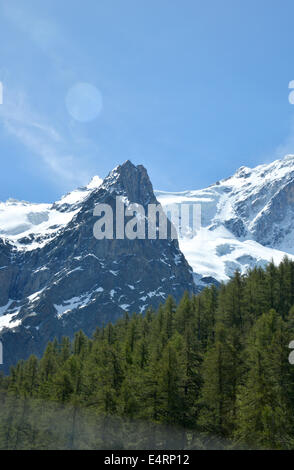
x: 28, y: 226
x: 247, y: 220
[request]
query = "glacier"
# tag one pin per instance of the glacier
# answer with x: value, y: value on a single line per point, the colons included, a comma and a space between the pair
x: 247, y: 220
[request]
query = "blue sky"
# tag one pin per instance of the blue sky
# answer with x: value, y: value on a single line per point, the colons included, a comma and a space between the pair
x: 191, y: 89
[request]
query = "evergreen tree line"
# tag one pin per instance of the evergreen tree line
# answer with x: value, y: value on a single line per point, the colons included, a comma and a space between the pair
x: 210, y: 372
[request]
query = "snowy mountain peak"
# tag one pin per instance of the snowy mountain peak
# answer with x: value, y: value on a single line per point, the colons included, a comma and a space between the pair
x: 77, y: 196
x: 289, y: 157
x: 32, y: 225
x: 247, y: 219
x: 95, y: 182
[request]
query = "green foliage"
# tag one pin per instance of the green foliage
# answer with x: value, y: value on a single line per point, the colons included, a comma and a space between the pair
x: 212, y: 371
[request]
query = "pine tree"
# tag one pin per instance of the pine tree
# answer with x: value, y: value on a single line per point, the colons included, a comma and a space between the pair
x: 263, y: 420
x: 220, y: 371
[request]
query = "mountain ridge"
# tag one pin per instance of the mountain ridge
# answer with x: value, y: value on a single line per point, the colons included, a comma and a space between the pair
x: 247, y: 219
x: 73, y: 281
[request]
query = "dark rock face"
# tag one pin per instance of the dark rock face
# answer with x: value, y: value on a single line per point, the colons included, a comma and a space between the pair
x: 237, y: 227
x: 78, y: 282
x: 266, y: 213
x: 277, y: 221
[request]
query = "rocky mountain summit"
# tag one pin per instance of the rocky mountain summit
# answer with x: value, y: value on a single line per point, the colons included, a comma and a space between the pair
x: 57, y: 278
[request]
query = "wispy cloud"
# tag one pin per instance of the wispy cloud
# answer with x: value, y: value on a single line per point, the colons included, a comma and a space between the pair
x: 54, y: 144
x: 41, y: 138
